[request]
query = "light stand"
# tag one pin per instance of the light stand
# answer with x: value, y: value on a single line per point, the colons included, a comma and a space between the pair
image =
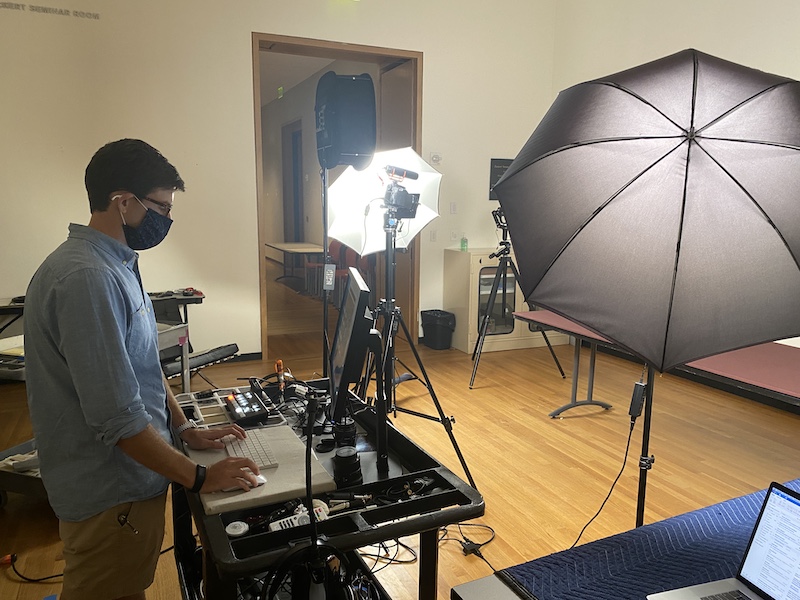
x: 645, y: 460
x: 382, y: 431
x: 325, y: 271
x: 501, y: 275
x: 392, y: 318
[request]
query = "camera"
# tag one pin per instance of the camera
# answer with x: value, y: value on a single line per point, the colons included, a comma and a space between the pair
x: 400, y: 201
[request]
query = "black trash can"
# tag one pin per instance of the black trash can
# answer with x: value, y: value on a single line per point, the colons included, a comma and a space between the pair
x: 437, y: 328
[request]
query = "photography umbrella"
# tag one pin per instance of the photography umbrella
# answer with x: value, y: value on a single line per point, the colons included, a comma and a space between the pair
x: 660, y: 208
x: 356, y: 200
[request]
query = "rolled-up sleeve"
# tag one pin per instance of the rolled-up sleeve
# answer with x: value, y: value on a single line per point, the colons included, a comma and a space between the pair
x: 93, y: 374
x: 102, y: 335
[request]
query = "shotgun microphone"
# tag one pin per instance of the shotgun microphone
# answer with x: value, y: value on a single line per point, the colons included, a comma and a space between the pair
x: 400, y: 173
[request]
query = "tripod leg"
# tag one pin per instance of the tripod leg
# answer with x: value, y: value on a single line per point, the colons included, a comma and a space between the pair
x: 447, y: 423
x: 552, y: 352
x: 477, y: 356
x: 476, y: 353
x: 370, y: 366
x: 387, y: 363
x: 539, y: 328
x: 369, y: 369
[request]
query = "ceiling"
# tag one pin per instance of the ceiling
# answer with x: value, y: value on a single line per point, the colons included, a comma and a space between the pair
x: 286, y: 70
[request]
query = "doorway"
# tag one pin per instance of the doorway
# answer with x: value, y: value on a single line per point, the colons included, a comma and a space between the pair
x: 298, y: 206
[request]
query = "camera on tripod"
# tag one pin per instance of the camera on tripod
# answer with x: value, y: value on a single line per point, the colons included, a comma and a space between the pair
x: 403, y: 204
x: 500, y: 219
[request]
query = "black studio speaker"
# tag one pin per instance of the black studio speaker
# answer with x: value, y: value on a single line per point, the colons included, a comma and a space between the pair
x: 346, y: 121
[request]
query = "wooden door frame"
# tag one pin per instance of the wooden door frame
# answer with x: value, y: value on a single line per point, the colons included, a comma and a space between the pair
x: 382, y: 57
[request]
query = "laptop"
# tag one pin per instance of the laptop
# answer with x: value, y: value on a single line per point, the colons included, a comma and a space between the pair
x: 285, y: 482
x: 770, y: 568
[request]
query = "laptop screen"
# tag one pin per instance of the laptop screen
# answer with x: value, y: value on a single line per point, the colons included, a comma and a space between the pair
x: 771, y: 564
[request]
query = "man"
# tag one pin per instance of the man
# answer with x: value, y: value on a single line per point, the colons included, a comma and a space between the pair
x: 99, y: 404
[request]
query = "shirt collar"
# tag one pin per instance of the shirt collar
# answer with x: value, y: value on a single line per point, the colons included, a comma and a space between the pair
x: 119, y: 251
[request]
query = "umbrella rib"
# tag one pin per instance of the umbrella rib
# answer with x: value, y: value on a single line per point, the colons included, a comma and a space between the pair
x: 606, y: 141
x: 744, y: 102
x: 755, y: 203
x: 640, y: 99
x: 610, y: 199
x: 692, y: 135
x: 759, y: 142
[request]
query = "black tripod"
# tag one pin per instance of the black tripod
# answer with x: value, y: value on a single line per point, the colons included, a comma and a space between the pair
x: 392, y: 318
x: 501, y: 275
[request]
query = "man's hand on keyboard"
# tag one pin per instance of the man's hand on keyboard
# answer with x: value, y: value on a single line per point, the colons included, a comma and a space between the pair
x: 230, y: 473
x: 203, y: 439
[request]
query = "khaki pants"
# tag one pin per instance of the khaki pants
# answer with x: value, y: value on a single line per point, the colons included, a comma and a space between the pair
x: 115, y: 553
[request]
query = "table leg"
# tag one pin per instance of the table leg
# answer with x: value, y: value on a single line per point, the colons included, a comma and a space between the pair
x: 185, y: 374
x: 575, y: 373
x: 428, y: 564
x: 592, y: 359
x: 215, y: 587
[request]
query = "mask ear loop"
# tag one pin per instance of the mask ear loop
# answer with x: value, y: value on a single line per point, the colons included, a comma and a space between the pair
x: 120, y: 212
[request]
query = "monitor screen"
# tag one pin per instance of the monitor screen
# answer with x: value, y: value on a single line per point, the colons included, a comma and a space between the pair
x: 350, y: 342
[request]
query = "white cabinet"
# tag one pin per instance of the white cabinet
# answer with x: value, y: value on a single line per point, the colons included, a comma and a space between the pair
x: 468, y: 282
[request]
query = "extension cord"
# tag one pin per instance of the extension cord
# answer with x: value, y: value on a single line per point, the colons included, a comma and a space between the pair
x: 297, y: 520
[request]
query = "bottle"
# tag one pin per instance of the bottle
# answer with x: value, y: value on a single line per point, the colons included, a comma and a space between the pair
x: 464, y: 242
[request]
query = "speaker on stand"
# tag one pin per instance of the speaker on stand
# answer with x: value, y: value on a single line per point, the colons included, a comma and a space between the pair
x: 346, y: 132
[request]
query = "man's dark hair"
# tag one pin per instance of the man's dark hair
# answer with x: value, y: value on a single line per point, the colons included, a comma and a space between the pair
x: 130, y: 165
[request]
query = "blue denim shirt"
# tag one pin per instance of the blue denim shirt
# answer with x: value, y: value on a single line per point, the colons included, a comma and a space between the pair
x: 93, y: 374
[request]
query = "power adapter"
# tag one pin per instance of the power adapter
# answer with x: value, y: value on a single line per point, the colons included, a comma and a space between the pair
x: 470, y: 547
x: 637, y: 399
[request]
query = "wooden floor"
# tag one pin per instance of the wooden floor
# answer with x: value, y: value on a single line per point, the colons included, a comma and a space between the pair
x: 542, y: 479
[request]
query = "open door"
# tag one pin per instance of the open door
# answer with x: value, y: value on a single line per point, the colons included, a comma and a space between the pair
x: 399, y: 123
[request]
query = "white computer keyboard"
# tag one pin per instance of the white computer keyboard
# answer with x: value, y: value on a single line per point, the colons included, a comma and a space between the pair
x: 255, y: 447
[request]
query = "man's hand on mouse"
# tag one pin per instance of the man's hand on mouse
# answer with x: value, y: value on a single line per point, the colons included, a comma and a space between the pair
x: 230, y: 473
x: 204, y: 439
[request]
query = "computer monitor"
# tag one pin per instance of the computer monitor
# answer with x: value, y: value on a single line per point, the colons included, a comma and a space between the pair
x: 350, y: 342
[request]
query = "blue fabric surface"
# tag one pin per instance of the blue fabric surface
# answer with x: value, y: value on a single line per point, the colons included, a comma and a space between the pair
x: 696, y: 547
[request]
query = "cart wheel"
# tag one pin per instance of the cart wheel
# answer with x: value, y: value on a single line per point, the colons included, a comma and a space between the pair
x: 3, y: 498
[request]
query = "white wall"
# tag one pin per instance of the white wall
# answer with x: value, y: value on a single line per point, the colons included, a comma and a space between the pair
x: 178, y: 74
x: 596, y: 38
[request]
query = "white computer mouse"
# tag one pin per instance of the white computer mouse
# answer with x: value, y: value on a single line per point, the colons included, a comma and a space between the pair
x: 260, y: 480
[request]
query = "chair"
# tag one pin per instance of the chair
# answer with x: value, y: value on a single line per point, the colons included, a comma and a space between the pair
x: 198, y: 361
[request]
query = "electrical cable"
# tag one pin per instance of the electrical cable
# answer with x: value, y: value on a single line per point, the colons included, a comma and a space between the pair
x: 30, y: 579
x: 253, y: 583
x: 385, y: 558
x: 469, y: 546
x: 13, y: 560
x: 624, y: 463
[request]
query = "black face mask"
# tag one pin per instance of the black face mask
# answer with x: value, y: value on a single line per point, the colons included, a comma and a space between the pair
x: 150, y: 232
